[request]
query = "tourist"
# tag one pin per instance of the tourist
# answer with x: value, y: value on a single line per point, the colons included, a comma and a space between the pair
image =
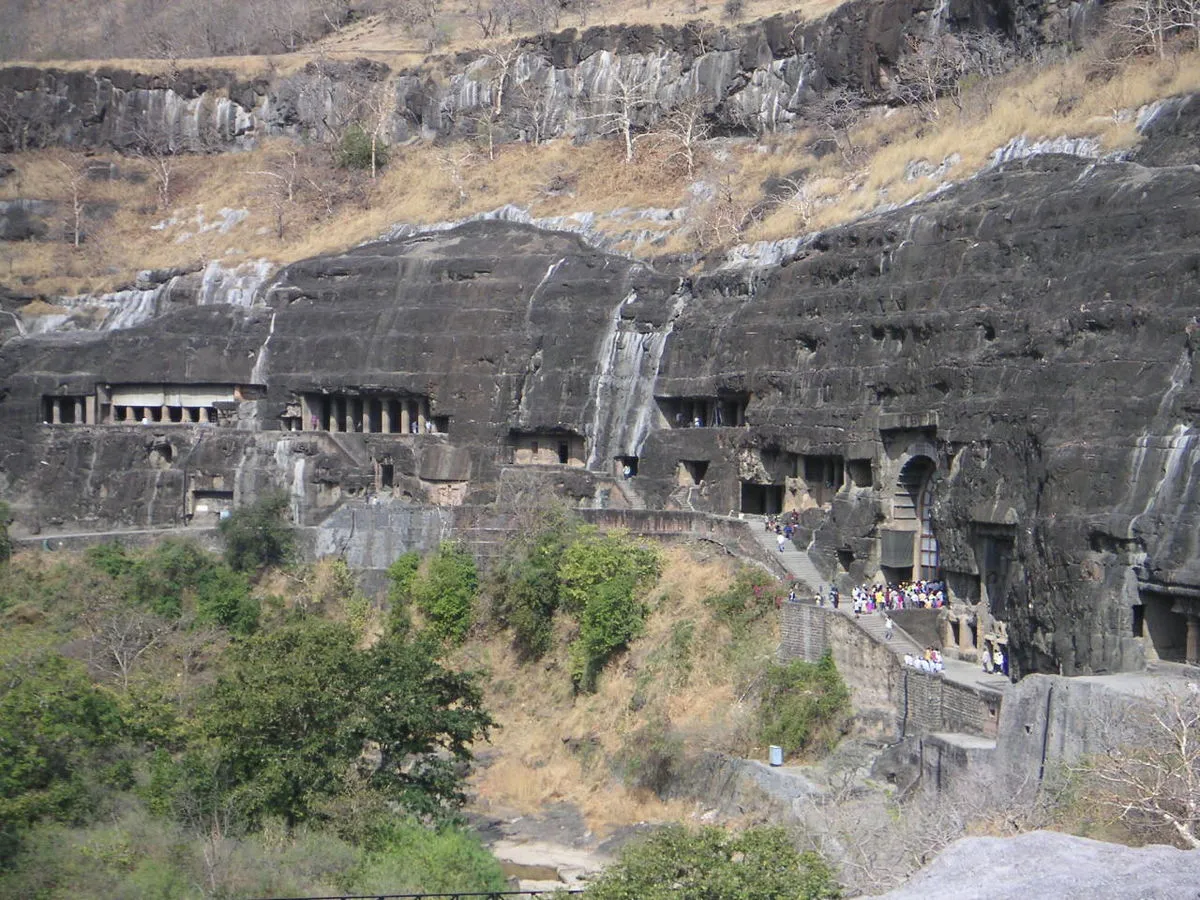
x: 887, y: 627
x: 782, y: 541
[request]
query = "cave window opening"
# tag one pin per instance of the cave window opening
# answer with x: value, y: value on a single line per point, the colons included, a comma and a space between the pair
x: 845, y: 559
x: 564, y: 452
x: 387, y: 476
x: 626, y: 466
x: 692, y: 472
x: 441, y: 424
x: 1139, y: 621
x: 175, y: 413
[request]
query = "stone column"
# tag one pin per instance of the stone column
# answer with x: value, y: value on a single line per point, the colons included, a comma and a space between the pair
x: 422, y: 406
x: 1192, y: 654
x: 56, y: 411
x: 948, y: 632
x: 79, y: 420
x: 333, y: 414
x: 385, y: 416
x: 405, y: 417
x: 165, y: 414
x: 966, y: 640
x: 305, y: 413
x: 89, y: 409
x: 366, y: 415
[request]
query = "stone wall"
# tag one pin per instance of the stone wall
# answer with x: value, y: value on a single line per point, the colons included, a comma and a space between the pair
x: 889, y: 698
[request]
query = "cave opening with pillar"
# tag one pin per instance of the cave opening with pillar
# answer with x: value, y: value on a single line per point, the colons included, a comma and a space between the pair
x: 762, y: 499
x: 1169, y: 626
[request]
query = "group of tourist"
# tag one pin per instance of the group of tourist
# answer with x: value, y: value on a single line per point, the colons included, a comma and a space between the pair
x: 908, y: 595
x: 930, y: 661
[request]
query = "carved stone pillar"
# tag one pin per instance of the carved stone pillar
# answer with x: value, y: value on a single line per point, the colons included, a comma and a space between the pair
x: 1192, y: 654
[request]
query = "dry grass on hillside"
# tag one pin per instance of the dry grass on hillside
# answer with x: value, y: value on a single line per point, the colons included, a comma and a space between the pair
x: 762, y: 190
x: 553, y: 745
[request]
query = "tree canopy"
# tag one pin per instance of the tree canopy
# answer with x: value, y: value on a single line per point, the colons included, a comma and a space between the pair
x: 302, y: 707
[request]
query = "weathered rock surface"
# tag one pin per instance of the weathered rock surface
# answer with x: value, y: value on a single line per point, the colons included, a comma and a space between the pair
x: 1048, y: 864
x: 752, y: 78
x: 1027, y: 336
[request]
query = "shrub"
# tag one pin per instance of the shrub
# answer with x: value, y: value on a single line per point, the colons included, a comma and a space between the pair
x: 354, y: 151
x: 710, y: 864
x: 805, y: 706
x: 612, y: 617
x: 223, y: 598
x: 446, y: 594
x: 527, y: 592
x: 415, y: 859
x: 257, y: 535
x: 750, y: 598
x: 650, y: 756
x: 402, y: 574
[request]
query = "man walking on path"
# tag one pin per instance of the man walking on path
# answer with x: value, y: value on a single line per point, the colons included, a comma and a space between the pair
x: 887, y: 627
x: 782, y: 542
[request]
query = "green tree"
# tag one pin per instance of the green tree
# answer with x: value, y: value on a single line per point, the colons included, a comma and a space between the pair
x: 805, y: 706
x: 601, y: 580
x: 710, y: 864
x: 299, y: 707
x: 54, y: 727
x: 611, y: 618
x: 446, y: 593
x: 402, y: 574
x: 595, y: 558
x: 257, y: 535
x: 526, y: 586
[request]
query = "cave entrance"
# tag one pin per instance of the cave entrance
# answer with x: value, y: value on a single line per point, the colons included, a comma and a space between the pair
x: 691, y: 472
x: 1165, y: 628
x: 762, y: 499
x: 626, y: 466
x: 912, y: 509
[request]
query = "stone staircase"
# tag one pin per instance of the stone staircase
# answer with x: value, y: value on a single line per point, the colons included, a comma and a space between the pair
x: 797, y: 562
x: 901, y: 641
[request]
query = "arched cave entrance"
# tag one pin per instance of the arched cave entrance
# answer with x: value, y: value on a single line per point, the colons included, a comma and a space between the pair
x: 910, y: 546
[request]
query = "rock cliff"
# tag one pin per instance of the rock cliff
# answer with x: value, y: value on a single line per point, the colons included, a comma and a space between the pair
x: 994, y: 384
x: 749, y: 79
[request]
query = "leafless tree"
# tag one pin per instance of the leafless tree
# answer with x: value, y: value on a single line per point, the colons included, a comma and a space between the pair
x: 1148, y: 772
x: 456, y: 164
x: 618, y: 106
x: 535, y: 112
x: 835, y: 111
x: 1186, y: 16
x: 120, y: 636
x: 75, y: 181
x: 938, y: 66
x: 278, y: 189
x: 1145, y: 24
x: 419, y: 16
x: 682, y: 133
x: 485, y: 14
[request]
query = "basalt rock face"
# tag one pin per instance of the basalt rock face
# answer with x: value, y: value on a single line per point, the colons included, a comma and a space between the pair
x: 748, y: 79
x: 1009, y: 362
